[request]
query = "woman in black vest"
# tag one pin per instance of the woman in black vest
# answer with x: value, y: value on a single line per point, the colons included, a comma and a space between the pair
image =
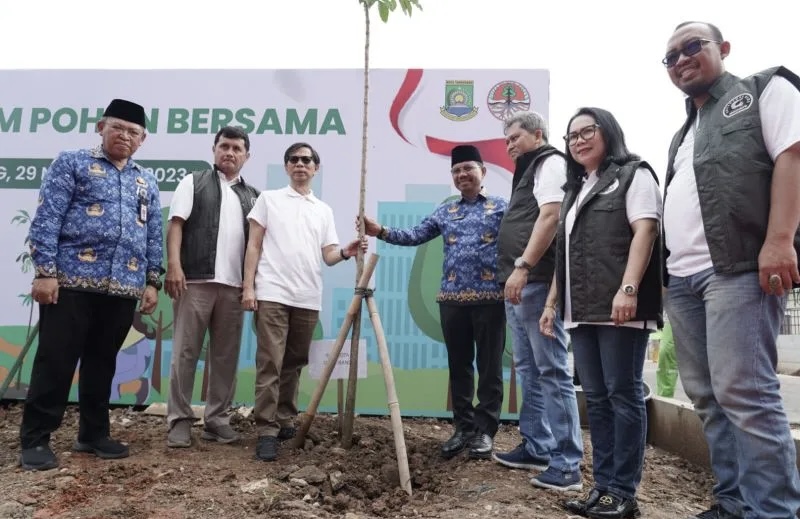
x: 607, y: 286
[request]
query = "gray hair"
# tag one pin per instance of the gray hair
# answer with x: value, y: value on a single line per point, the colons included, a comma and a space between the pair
x: 528, y: 121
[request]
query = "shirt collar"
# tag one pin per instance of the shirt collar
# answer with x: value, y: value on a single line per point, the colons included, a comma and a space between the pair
x: 717, y: 90
x: 481, y: 196
x: 222, y: 177
x: 98, y: 153
x: 294, y: 194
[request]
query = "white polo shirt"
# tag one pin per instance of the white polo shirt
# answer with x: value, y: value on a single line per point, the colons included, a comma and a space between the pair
x: 297, y: 228
x: 230, y: 237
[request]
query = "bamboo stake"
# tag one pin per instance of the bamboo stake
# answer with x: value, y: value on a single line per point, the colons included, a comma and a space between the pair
x: 391, y: 393
x: 354, y: 309
x: 20, y: 358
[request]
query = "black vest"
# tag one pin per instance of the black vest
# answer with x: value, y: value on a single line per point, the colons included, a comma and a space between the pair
x: 598, y: 250
x: 521, y: 214
x: 732, y: 168
x: 199, y: 244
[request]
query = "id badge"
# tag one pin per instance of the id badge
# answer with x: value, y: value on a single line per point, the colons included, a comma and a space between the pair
x: 142, y: 195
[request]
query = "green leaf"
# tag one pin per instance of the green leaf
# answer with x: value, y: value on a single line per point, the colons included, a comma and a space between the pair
x: 383, y: 11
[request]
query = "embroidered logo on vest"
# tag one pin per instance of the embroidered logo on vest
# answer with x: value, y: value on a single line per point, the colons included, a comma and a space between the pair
x: 737, y: 105
x: 611, y: 188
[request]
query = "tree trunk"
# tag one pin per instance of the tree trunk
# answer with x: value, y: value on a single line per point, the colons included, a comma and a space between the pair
x: 352, y: 379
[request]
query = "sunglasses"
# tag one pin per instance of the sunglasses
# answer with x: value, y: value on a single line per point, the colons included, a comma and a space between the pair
x: 689, y: 49
x: 294, y: 159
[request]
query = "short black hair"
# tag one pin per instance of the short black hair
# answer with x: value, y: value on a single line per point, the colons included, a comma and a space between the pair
x: 233, y: 132
x: 298, y: 145
x: 616, y: 149
x: 715, y: 32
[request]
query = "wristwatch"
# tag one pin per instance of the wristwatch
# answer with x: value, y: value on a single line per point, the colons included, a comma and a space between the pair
x: 520, y: 263
x: 155, y: 284
x: 629, y: 290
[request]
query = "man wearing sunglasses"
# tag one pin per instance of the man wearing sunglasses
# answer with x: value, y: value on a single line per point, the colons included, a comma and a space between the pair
x: 292, y: 233
x: 731, y: 215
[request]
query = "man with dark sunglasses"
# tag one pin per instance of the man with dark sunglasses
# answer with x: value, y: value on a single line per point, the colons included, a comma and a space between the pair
x: 292, y: 233
x: 731, y: 215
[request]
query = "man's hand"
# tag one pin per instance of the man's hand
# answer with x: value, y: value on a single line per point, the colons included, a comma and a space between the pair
x: 514, y: 285
x: 777, y: 258
x: 149, y: 300
x: 371, y: 227
x: 351, y: 249
x: 249, y: 301
x: 175, y: 281
x: 45, y: 291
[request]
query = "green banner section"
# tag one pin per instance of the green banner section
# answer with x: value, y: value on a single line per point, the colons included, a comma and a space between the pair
x: 169, y: 172
x: 22, y: 173
x: 28, y: 173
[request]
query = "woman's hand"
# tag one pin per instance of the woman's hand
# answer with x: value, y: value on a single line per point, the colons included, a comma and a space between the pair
x: 547, y: 321
x: 623, y: 308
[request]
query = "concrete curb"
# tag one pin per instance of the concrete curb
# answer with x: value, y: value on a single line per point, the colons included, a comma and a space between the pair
x: 672, y: 425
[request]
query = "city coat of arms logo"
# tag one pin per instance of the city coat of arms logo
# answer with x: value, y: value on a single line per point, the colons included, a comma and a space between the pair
x: 459, y: 100
x: 507, y: 98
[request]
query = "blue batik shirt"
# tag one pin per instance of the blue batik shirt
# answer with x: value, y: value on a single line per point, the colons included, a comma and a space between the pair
x: 469, y: 231
x: 98, y: 228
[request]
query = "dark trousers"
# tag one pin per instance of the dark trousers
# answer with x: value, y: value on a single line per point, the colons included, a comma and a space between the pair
x: 83, y: 326
x: 468, y: 328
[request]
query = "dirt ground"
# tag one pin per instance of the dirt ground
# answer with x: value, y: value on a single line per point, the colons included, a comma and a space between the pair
x: 320, y: 481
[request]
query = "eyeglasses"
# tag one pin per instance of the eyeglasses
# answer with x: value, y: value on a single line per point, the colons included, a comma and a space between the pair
x: 134, y: 133
x: 466, y: 169
x: 305, y: 159
x: 689, y: 49
x: 586, y: 133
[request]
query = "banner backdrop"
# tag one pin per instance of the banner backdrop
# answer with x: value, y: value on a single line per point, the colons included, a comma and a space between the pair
x: 416, y: 117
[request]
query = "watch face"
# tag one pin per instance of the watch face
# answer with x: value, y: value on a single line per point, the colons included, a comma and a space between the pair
x: 629, y: 289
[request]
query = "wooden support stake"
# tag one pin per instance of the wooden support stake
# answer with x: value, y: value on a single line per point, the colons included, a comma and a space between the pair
x: 391, y: 393
x: 316, y: 397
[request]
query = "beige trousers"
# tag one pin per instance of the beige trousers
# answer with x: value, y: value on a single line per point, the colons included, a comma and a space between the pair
x: 214, y: 308
x: 284, y: 337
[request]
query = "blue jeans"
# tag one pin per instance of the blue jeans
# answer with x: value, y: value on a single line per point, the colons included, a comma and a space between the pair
x: 725, y: 331
x: 548, y: 416
x: 609, y: 361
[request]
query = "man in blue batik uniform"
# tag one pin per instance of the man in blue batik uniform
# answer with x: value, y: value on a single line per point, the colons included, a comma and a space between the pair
x: 470, y: 300
x: 96, y: 244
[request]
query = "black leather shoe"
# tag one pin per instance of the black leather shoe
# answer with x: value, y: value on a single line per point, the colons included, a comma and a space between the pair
x: 287, y: 433
x: 609, y: 506
x: 457, y: 443
x: 40, y: 457
x: 480, y: 448
x: 104, y: 448
x: 581, y: 506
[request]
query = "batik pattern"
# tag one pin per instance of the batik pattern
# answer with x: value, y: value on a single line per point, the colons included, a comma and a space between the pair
x: 98, y: 228
x: 469, y: 231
